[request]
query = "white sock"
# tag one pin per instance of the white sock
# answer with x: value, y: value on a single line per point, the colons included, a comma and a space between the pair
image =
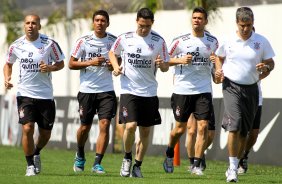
x: 233, y: 163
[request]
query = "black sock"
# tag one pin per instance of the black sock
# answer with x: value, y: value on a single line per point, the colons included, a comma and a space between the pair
x: 170, y: 152
x: 128, y: 155
x: 246, y: 154
x: 197, y: 162
x: 29, y: 160
x: 138, y: 163
x: 37, y: 150
x: 98, y: 159
x: 191, y: 159
x: 80, y: 151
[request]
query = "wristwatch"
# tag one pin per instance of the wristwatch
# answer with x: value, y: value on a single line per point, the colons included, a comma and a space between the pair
x: 267, y: 67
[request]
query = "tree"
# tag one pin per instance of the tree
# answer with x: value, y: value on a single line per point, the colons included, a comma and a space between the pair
x: 154, y: 5
x: 211, y: 6
x: 11, y: 16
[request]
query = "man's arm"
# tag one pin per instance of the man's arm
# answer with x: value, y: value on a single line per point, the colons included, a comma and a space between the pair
x: 51, y: 68
x: 7, y: 70
x: 115, y: 64
x: 75, y: 65
x: 183, y: 60
x: 218, y: 75
x: 265, y: 67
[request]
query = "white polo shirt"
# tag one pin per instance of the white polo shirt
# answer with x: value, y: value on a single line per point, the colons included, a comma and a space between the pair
x: 241, y: 57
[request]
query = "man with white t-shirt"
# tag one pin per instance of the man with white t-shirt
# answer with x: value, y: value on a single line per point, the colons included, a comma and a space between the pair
x: 96, y: 93
x: 38, y: 55
x: 192, y: 56
x: 242, y: 59
x: 143, y: 51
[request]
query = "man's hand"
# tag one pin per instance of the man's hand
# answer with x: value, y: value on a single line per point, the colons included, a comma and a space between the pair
x: 44, y: 68
x: 212, y: 57
x: 8, y: 84
x: 218, y: 76
x: 186, y: 59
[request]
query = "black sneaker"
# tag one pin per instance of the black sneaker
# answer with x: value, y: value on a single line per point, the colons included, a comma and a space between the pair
x: 136, y: 172
x: 243, y: 165
x: 203, y: 164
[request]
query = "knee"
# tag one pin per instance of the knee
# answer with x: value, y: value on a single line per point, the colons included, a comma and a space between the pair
x: 104, y: 125
x: 28, y: 129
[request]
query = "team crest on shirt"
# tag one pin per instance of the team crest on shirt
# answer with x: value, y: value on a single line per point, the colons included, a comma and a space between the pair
x: 208, y: 46
x: 151, y: 47
x: 139, y: 50
x: 124, y: 112
x: 30, y: 54
x: 41, y: 50
x: 21, y: 113
x: 80, y: 111
x: 177, y: 111
x: 109, y: 46
x: 257, y: 45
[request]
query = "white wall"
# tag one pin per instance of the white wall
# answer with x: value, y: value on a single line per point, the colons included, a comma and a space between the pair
x: 169, y: 24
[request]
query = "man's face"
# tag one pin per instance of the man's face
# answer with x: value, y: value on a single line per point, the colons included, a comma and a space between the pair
x: 144, y: 26
x: 245, y: 29
x: 199, y: 22
x: 32, y: 27
x: 100, y: 24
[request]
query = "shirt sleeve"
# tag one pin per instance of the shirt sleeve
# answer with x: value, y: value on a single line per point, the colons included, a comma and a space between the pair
x: 56, y: 52
x: 164, y: 53
x: 173, y: 48
x: 11, y: 56
x: 267, y: 50
x: 78, y: 48
x: 221, y: 50
x: 117, y: 46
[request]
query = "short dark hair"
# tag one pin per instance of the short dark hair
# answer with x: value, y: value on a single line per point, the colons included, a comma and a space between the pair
x: 244, y: 14
x: 145, y: 13
x: 103, y: 13
x: 201, y: 10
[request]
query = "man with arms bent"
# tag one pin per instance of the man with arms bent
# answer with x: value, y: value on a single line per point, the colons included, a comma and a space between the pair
x: 143, y: 52
x: 35, y: 53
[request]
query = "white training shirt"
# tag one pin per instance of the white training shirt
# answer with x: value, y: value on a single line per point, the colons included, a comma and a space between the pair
x: 94, y: 79
x: 241, y: 57
x: 193, y: 78
x: 138, y: 61
x: 33, y: 83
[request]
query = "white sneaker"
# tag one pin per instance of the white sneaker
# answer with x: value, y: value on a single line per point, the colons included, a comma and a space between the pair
x: 231, y: 175
x: 37, y: 163
x: 30, y: 171
x: 125, y: 167
x: 197, y: 171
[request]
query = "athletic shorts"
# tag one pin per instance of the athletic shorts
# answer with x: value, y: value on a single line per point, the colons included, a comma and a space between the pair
x: 256, y: 124
x: 240, y: 106
x: 104, y: 104
x: 41, y: 111
x: 212, y: 120
x: 199, y: 104
x: 143, y: 110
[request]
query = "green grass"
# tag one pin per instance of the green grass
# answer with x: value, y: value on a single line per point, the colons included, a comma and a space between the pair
x: 57, y: 168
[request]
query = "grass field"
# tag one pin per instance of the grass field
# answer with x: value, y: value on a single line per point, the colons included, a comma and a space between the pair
x: 57, y: 168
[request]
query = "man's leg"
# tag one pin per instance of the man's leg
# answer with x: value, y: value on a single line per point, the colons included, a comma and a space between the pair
x: 232, y: 146
x: 81, y: 136
x: 200, y: 146
x: 175, y: 135
x: 43, y: 139
x: 191, y: 139
x: 28, y: 147
x: 128, y: 141
x: 101, y: 145
x: 141, y: 148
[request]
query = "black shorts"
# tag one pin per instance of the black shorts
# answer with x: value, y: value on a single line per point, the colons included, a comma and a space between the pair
x: 104, y: 104
x: 199, y: 104
x: 143, y: 110
x: 240, y: 106
x: 41, y: 111
x: 256, y: 124
x: 212, y: 120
